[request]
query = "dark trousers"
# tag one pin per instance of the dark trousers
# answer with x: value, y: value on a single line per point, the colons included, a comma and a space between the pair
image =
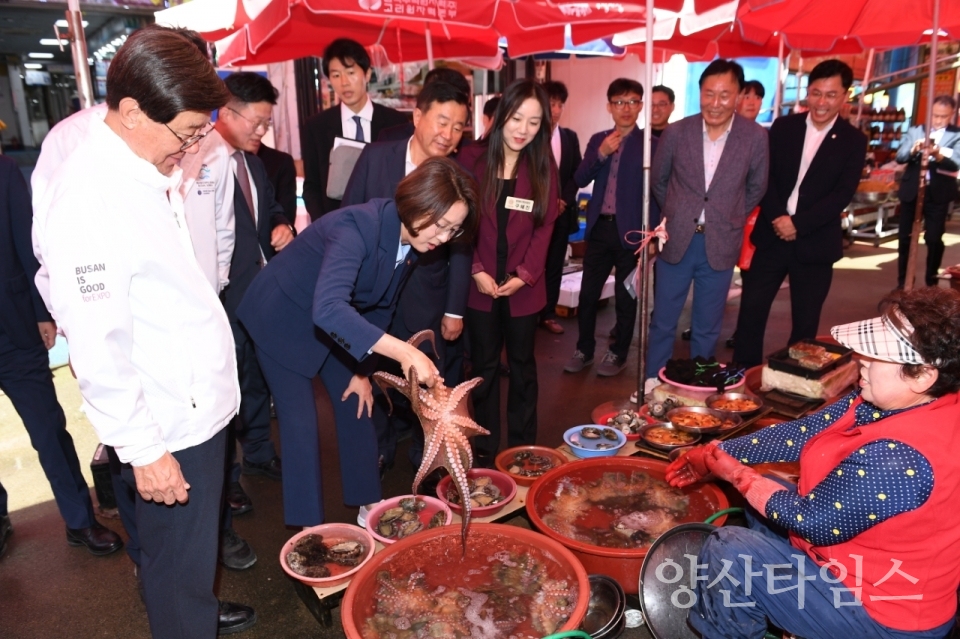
x: 934, y: 222
x: 604, y: 253
x: 553, y: 272
x: 296, y: 407
x: 178, y: 554
x: 127, y: 498
x: 809, y: 285
x: 26, y: 379
x: 489, y: 332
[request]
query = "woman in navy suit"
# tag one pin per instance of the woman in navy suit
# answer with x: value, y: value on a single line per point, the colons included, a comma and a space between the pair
x: 519, y: 191
x: 322, y: 306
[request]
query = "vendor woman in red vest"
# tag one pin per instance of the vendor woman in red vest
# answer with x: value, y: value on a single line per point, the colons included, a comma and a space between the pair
x: 868, y: 542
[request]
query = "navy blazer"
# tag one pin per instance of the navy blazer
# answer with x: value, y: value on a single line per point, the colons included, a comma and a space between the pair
x: 826, y: 190
x: 283, y: 177
x: 335, y: 279
x: 629, y: 183
x: 441, y: 279
x: 316, y: 141
x: 21, y: 304
x: 247, y: 260
x: 570, y: 159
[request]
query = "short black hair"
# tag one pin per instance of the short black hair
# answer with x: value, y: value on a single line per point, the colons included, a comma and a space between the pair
x: 622, y: 86
x: 450, y: 76
x: 946, y: 100
x: 753, y: 86
x: 490, y: 106
x: 439, y: 91
x: 348, y: 52
x: 666, y: 91
x: 720, y: 67
x: 830, y: 68
x: 556, y: 90
x: 249, y: 87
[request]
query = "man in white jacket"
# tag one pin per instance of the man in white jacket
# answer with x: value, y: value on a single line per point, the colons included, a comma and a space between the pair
x: 149, y: 340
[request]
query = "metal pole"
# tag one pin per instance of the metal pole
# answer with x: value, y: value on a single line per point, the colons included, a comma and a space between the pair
x: 866, y: 82
x: 642, y: 266
x: 796, y: 103
x: 429, y: 47
x: 925, y: 154
x: 781, y: 79
x: 78, y: 47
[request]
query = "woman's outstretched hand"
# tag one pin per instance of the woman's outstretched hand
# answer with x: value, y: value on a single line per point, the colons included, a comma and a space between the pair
x: 690, y: 468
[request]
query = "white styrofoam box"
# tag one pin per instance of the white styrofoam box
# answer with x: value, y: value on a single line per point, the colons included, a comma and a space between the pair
x: 570, y: 289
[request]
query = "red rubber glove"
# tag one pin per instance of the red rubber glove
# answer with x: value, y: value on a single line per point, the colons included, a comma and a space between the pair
x: 690, y: 468
x: 748, y: 482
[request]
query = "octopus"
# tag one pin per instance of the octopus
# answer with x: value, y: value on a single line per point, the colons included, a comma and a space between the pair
x: 444, y: 414
x: 311, y: 554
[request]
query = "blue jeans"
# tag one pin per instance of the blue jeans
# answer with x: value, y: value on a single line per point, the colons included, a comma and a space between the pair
x: 739, y: 605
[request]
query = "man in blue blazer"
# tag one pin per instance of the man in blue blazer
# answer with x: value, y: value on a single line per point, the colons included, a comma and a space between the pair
x: 614, y: 163
x: 26, y: 333
x: 435, y: 295
x: 815, y: 163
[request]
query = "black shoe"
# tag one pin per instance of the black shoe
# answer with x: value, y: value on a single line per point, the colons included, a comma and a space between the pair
x: 731, y: 341
x: 235, y: 552
x: 5, y: 531
x: 686, y: 335
x: 98, y: 539
x: 234, y: 617
x: 238, y: 499
x: 272, y: 469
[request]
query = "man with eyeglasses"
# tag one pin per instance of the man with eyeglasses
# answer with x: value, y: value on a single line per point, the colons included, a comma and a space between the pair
x: 614, y: 163
x: 150, y: 342
x: 435, y: 294
x: 815, y: 163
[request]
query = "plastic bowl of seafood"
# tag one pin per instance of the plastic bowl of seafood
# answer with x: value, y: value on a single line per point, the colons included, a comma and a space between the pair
x: 505, y: 581
x: 666, y: 436
x: 490, y: 491
x: 741, y: 404
x: 609, y: 512
x: 327, y: 555
x: 399, y: 517
x: 703, y: 420
x: 591, y: 441
x: 525, y: 464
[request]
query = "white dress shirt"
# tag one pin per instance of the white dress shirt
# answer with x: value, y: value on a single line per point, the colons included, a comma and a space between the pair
x: 712, y: 152
x: 350, y: 125
x: 149, y: 340
x: 812, y: 140
x: 555, y: 144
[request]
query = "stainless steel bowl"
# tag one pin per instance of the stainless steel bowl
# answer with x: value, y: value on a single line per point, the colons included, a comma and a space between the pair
x: 604, y: 618
x: 660, y: 446
x: 742, y: 413
x: 870, y: 197
x: 727, y: 420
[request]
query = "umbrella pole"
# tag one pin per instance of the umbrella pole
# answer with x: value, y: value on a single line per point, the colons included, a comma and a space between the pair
x: 78, y: 49
x: 925, y: 153
x: 429, y: 46
x: 781, y: 79
x: 866, y: 82
x: 643, y: 267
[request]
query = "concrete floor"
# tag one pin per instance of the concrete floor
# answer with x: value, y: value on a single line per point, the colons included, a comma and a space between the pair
x: 48, y: 589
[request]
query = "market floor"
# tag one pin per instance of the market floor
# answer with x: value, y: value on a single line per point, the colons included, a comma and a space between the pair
x: 49, y: 589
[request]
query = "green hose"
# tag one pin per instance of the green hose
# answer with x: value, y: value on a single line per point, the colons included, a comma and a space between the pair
x: 720, y: 513
x: 579, y: 634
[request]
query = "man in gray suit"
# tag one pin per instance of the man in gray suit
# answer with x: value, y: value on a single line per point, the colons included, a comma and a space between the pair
x: 709, y: 172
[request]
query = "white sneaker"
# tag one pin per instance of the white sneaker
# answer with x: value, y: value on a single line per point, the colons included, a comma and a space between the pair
x: 633, y: 397
x: 362, y: 515
x: 650, y: 384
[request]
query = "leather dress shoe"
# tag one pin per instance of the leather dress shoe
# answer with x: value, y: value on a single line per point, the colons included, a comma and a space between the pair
x: 5, y: 531
x: 98, y: 539
x: 686, y: 335
x: 272, y: 468
x: 234, y: 617
x: 238, y: 499
x: 552, y: 325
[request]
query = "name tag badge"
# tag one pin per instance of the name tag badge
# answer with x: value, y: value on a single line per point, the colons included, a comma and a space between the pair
x: 519, y: 204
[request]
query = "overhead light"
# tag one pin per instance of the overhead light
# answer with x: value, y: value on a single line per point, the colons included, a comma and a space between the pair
x: 32, y: 65
x: 63, y: 24
x: 53, y: 42
x: 40, y: 56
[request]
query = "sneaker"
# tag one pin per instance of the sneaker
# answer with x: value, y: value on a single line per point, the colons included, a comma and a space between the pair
x: 611, y: 365
x: 649, y: 384
x: 362, y: 515
x: 235, y: 552
x: 578, y: 362
x: 633, y: 397
x: 238, y: 499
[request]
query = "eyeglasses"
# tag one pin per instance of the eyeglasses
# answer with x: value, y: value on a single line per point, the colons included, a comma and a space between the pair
x: 266, y: 124
x: 622, y: 103
x: 829, y: 96
x: 450, y: 232
x: 187, y: 142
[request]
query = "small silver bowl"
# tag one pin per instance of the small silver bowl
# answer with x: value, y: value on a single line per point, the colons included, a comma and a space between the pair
x: 727, y: 420
x: 742, y: 413
x: 685, y: 435
x: 604, y: 618
x: 870, y: 197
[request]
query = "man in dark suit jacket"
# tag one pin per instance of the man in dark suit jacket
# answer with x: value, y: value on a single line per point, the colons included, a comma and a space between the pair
x: 564, y: 142
x: 614, y: 163
x: 435, y: 295
x: 347, y: 67
x: 26, y: 333
x: 941, y: 186
x: 815, y: 164
x: 282, y: 173
x: 444, y: 74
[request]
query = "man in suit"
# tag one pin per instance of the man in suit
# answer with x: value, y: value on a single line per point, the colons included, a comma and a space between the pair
x: 282, y: 173
x: 614, y: 163
x: 435, y: 295
x: 941, y: 186
x: 347, y: 67
x: 709, y: 172
x: 26, y: 333
x: 566, y: 152
x: 815, y: 164
x: 662, y: 103
x: 443, y: 74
